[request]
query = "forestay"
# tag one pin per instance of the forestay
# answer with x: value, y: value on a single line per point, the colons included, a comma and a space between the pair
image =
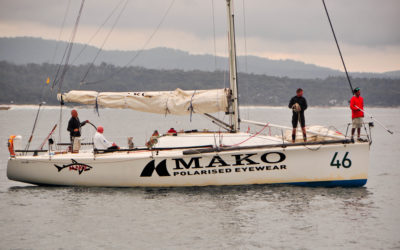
x: 177, y: 102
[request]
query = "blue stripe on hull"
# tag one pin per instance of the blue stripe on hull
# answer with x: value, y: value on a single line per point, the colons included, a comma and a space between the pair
x: 343, y: 183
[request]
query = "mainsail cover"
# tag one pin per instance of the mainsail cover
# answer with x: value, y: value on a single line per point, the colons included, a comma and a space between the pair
x: 177, y: 102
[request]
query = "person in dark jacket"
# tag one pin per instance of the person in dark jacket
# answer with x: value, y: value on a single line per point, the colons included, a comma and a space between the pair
x: 74, y: 128
x: 298, y: 104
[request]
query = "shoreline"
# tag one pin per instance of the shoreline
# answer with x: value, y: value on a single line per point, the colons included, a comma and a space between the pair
x: 5, y: 107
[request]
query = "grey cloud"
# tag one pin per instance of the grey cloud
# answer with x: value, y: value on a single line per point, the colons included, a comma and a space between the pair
x: 358, y: 22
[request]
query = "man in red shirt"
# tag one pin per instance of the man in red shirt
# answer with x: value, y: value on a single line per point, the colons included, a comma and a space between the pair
x: 357, y: 113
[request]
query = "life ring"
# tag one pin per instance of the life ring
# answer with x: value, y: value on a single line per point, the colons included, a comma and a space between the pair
x: 11, y: 145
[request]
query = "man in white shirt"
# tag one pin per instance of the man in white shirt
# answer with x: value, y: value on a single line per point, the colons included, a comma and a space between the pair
x: 101, y: 143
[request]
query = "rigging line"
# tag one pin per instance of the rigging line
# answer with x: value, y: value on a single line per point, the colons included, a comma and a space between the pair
x: 337, y: 44
x: 245, y: 36
x: 33, y: 129
x: 236, y: 66
x: 56, y: 79
x: 98, y: 30
x: 60, y: 121
x: 105, y: 40
x: 215, y: 43
x: 67, y: 53
x: 42, y: 92
x: 65, y: 68
x: 252, y: 136
x: 61, y: 31
x: 191, y: 106
x: 226, y: 68
x: 245, y: 55
x: 138, y: 53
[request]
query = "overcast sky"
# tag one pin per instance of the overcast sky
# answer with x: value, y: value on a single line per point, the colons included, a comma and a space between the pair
x: 368, y: 30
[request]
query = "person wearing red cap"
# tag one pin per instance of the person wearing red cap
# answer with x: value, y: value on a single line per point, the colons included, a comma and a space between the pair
x: 172, y: 131
x: 74, y: 128
x: 101, y: 143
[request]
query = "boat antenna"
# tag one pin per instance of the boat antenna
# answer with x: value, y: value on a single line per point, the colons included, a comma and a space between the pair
x: 337, y: 44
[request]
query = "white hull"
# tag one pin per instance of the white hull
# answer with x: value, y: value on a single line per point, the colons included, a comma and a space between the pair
x: 313, y: 165
x: 245, y: 159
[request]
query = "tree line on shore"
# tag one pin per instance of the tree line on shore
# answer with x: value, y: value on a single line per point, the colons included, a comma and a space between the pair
x: 26, y: 84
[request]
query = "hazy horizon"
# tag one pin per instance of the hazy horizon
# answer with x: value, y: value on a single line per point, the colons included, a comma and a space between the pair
x: 367, y: 30
x: 91, y: 49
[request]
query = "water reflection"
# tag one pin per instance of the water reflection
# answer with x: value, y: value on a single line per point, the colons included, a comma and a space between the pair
x: 229, y: 194
x: 253, y: 215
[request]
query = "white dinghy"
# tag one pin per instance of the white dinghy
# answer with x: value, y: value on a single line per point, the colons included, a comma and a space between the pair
x: 195, y: 158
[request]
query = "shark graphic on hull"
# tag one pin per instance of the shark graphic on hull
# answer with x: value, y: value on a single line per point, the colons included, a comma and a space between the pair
x: 75, y: 166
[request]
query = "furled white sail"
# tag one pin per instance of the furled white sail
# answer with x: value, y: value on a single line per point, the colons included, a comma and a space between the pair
x: 177, y: 102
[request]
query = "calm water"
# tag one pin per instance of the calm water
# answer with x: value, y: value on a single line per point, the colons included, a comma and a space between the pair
x: 245, y: 217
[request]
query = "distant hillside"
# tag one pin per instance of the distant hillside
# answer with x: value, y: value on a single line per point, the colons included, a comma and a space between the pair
x: 22, y: 50
x: 25, y: 84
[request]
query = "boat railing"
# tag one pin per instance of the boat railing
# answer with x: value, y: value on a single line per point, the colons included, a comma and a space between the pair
x: 367, y: 128
x: 102, y: 151
x: 267, y: 146
x: 286, y: 128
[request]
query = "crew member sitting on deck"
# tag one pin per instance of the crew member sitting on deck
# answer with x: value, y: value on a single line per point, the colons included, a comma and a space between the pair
x: 101, y: 143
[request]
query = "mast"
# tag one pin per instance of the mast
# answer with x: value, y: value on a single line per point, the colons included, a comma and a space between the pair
x: 234, y: 107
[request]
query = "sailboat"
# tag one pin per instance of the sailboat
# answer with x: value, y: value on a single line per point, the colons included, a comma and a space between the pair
x: 197, y: 158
